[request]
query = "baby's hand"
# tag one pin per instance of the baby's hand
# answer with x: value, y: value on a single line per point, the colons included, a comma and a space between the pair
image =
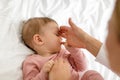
x: 47, y: 66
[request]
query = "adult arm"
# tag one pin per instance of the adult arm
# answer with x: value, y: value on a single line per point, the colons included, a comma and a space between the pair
x: 102, y: 56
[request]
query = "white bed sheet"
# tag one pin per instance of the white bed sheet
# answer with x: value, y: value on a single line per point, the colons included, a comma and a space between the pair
x: 90, y: 15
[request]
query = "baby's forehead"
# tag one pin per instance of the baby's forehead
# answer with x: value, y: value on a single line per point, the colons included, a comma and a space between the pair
x: 53, y: 25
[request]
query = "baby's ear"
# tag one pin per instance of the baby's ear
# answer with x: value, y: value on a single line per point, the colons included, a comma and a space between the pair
x: 37, y: 39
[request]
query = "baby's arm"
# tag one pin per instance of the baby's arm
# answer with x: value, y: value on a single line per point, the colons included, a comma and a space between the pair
x: 77, y: 59
x: 31, y: 71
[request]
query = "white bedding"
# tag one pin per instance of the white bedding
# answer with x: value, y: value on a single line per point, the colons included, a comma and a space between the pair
x: 90, y: 15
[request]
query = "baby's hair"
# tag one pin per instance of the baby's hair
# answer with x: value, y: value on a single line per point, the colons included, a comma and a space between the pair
x: 34, y: 26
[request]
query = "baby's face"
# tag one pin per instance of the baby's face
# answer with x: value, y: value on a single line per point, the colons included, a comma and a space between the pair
x: 52, y: 38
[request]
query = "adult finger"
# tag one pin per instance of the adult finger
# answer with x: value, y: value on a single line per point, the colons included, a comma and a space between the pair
x: 64, y: 29
x: 73, y: 26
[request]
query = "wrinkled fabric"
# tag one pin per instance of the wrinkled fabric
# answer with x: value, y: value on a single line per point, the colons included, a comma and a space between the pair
x: 91, y: 15
x: 32, y: 66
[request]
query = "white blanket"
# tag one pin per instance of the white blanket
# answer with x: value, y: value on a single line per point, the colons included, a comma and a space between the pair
x: 91, y: 15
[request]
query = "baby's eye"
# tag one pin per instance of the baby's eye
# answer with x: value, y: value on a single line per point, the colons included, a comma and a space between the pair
x: 57, y: 35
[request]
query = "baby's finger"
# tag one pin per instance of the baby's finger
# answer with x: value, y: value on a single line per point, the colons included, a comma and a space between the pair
x: 51, y: 62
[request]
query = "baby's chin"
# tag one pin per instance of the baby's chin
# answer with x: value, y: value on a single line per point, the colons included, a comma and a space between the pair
x: 58, y: 50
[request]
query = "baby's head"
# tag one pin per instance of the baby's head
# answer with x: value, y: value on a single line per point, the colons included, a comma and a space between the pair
x: 41, y: 34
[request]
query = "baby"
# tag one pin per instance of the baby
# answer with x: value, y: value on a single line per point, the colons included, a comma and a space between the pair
x: 43, y: 36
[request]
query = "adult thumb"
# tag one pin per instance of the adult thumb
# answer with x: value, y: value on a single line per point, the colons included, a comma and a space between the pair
x: 73, y: 26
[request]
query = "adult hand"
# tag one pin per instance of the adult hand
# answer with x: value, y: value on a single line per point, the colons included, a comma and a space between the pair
x: 75, y: 36
x: 60, y: 70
